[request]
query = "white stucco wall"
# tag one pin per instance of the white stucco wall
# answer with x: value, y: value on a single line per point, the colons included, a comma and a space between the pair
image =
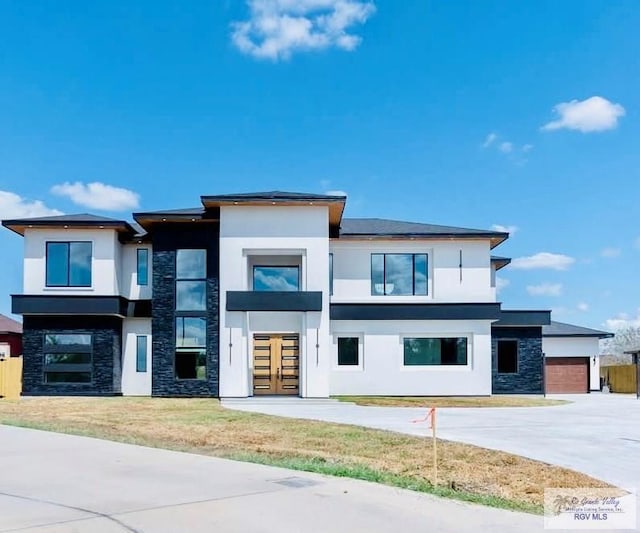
x: 576, y: 347
x: 382, y: 372
x: 128, y: 273
x: 352, y: 270
x: 271, y: 231
x: 135, y: 383
x: 105, y: 246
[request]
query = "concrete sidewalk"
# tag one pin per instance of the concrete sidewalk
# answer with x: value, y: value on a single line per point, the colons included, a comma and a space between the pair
x: 598, y: 434
x: 51, y: 482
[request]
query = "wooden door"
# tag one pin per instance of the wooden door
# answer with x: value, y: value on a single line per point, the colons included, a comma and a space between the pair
x: 276, y: 364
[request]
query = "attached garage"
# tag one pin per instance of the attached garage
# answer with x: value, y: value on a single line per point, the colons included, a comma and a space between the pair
x: 567, y: 375
x: 572, y: 358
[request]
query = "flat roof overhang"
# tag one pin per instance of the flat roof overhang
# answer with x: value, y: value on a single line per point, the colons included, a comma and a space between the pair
x: 334, y: 203
x: 494, y: 239
x: 35, y: 304
x: 415, y: 311
x: 19, y: 226
x: 523, y: 318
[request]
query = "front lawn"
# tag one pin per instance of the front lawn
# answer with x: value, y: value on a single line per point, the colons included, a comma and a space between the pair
x: 452, y: 401
x: 202, y: 426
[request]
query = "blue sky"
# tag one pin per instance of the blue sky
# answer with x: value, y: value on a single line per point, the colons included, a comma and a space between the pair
x: 518, y: 114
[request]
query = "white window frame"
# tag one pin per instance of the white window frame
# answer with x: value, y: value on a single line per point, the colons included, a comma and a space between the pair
x: 349, y: 368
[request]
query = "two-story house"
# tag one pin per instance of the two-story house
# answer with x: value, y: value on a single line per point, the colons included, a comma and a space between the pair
x: 268, y: 293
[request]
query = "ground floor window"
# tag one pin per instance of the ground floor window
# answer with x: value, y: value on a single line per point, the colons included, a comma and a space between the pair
x: 141, y: 353
x: 507, y: 356
x: 68, y: 358
x: 348, y: 351
x: 191, y: 348
x: 421, y: 351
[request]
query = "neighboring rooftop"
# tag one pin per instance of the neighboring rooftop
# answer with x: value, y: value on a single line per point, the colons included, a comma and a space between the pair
x: 9, y: 325
x: 560, y: 329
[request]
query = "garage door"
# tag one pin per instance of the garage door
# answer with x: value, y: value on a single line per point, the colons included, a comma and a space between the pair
x: 567, y: 375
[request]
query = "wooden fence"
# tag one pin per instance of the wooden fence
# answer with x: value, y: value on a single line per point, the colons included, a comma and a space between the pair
x: 11, y: 377
x: 621, y: 378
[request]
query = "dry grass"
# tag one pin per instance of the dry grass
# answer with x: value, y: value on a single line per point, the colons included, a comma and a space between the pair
x: 452, y: 401
x: 203, y: 426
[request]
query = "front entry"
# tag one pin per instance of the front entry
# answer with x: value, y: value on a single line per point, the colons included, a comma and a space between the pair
x: 276, y: 364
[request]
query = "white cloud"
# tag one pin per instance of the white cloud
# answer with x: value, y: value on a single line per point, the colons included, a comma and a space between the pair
x: 505, y: 147
x: 543, y: 260
x: 501, y: 283
x: 623, y: 321
x: 489, y: 140
x: 611, y: 252
x: 98, y: 195
x: 278, y: 28
x: 504, y: 229
x: 14, y: 206
x: 545, y: 289
x: 593, y: 114
x: 527, y: 147
x: 583, y: 306
x: 336, y: 193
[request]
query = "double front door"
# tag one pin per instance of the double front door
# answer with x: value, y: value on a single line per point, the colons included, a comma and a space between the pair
x: 276, y: 364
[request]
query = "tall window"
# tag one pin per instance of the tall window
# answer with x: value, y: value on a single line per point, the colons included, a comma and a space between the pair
x: 141, y: 353
x: 143, y: 266
x: 191, y: 280
x: 508, y: 357
x: 67, y: 358
x: 68, y: 264
x: 276, y: 278
x: 330, y: 273
x: 191, y: 347
x: 435, y: 351
x: 191, y: 322
x: 399, y: 274
x: 348, y: 351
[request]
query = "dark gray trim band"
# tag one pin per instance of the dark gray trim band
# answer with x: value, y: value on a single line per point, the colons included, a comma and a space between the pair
x: 523, y: 318
x: 457, y: 311
x: 274, y: 301
x: 31, y: 304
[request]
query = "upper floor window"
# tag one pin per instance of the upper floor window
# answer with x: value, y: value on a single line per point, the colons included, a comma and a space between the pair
x: 69, y: 264
x: 191, y: 280
x: 399, y: 274
x: 276, y: 278
x: 142, y: 267
x: 330, y: 273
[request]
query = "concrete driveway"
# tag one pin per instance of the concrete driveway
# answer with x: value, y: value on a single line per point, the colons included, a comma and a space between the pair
x: 61, y: 483
x: 598, y: 434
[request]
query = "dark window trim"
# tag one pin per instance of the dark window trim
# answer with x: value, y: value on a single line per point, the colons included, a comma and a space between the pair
x: 330, y: 273
x: 189, y: 312
x: 146, y: 269
x: 141, y: 363
x: 413, y: 273
x: 68, y: 284
x: 176, y: 348
x: 517, y: 341
x: 64, y: 367
x: 253, y: 275
x: 358, y: 352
